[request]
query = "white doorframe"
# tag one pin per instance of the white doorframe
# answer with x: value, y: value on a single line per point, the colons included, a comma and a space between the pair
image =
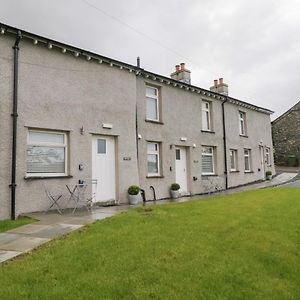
x: 104, y: 168
x: 181, y: 169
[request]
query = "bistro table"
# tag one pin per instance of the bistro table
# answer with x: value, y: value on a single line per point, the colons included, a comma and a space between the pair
x: 77, y: 194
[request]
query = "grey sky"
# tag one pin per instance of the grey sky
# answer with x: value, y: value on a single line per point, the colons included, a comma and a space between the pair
x: 254, y: 45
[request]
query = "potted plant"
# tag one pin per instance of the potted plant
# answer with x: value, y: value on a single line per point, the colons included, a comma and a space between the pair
x: 133, y: 194
x: 174, y: 190
x: 268, y: 175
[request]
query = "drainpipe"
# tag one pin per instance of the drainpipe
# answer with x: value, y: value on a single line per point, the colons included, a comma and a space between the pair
x: 225, y: 143
x: 14, y: 131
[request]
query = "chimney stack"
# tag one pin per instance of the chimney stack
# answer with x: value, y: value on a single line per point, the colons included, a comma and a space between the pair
x: 220, y: 87
x: 182, y: 74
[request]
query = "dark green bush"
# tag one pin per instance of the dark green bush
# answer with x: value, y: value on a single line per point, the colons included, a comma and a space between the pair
x: 133, y: 190
x: 175, y: 186
x: 268, y: 173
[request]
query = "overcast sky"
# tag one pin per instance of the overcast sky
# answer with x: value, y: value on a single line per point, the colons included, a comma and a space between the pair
x: 254, y: 45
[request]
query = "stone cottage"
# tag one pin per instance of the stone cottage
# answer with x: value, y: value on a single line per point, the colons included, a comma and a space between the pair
x: 286, y: 137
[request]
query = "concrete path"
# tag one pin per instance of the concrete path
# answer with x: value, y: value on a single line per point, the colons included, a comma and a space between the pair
x: 52, y: 225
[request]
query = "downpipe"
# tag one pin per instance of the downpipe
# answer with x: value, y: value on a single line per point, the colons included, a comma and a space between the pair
x: 225, y: 144
x: 14, y: 115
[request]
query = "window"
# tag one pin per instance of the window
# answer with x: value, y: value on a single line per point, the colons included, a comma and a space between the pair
x: 208, y: 161
x: 233, y: 159
x: 177, y: 154
x: 206, y: 122
x: 268, y: 157
x: 46, y: 153
x: 152, y: 105
x: 247, y: 160
x: 101, y: 146
x: 242, y: 122
x: 153, y: 159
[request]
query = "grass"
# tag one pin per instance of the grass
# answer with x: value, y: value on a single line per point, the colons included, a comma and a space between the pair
x: 241, y: 246
x: 9, y: 224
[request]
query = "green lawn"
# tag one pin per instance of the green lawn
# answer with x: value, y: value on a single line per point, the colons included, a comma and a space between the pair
x: 9, y: 224
x: 241, y: 246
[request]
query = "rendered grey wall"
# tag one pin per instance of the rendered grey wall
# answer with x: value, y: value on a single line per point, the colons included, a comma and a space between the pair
x: 60, y: 92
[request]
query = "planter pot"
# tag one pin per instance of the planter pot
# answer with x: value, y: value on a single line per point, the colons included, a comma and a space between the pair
x: 174, y: 194
x: 134, y: 199
x: 268, y: 177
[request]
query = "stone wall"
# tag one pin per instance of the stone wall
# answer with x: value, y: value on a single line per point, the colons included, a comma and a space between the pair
x: 286, y: 135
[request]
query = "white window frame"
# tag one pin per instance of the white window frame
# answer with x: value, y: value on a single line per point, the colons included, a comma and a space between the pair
x: 233, y: 154
x: 268, y: 156
x: 242, y: 123
x: 206, y: 112
x: 157, y: 102
x: 45, y: 144
x: 212, y: 154
x: 248, y: 155
x: 157, y: 153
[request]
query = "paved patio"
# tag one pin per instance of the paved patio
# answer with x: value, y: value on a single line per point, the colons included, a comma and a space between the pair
x: 53, y: 225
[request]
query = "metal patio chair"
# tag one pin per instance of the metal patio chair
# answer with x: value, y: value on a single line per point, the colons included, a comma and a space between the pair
x: 54, y: 197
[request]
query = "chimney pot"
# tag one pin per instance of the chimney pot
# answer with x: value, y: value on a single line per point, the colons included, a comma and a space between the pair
x: 220, y: 80
x: 216, y: 82
x: 177, y: 67
x: 182, y: 66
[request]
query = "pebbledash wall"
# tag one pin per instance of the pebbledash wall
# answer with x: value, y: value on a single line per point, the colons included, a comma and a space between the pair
x: 68, y: 90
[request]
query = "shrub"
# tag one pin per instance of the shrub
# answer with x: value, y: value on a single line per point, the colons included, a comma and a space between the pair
x: 133, y: 190
x: 175, y: 186
x: 269, y: 173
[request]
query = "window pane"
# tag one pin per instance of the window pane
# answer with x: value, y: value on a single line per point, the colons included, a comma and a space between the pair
x: 247, y: 165
x: 207, y: 164
x: 45, y: 137
x: 45, y: 159
x: 152, y: 109
x: 101, y: 146
x: 207, y: 150
x: 151, y: 147
x: 232, y: 162
x: 152, y: 163
x: 177, y: 154
x: 150, y: 91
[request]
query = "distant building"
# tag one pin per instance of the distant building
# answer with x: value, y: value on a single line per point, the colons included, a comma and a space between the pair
x: 286, y: 136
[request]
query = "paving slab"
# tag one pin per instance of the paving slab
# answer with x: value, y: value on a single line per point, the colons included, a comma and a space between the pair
x: 24, y: 243
x: 6, y: 255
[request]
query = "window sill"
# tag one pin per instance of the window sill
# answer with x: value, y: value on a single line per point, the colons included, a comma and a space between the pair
x: 234, y: 171
x: 248, y: 172
x: 209, y: 175
x: 154, y: 121
x: 208, y: 131
x: 243, y: 135
x: 46, y: 177
x: 154, y: 176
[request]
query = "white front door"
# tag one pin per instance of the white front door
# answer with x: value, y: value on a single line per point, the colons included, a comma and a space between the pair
x: 262, y: 163
x: 181, y: 169
x: 103, y: 168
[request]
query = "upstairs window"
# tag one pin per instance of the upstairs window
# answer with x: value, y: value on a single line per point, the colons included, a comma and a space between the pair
x: 206, y: 116
x: 242, y: 123
x: 208, y: 167
x: 46, y: 153
x: 152, y: 105
x: 233, y: 160
x: 153, y: 163
x: 247, y: 160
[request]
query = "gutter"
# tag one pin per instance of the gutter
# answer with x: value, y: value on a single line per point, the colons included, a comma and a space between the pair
x: 225, y: 143
x: 14, y: 115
